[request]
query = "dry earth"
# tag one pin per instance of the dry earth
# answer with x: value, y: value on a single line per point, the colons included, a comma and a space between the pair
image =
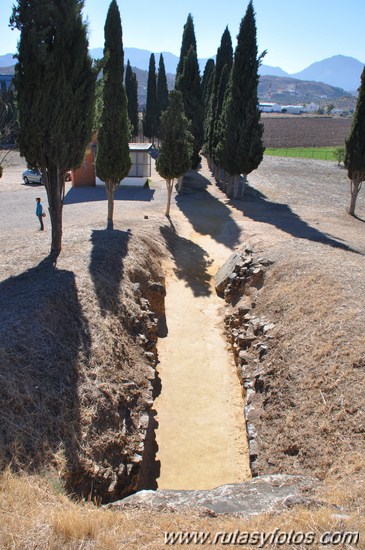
x: 305, y: 130
x: 310, y: 414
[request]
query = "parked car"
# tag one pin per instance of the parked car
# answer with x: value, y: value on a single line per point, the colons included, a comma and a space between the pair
x: 32, y: 176
x: 35, y: 176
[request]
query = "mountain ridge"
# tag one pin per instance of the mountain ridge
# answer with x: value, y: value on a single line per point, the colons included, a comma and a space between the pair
x: 338, y: 71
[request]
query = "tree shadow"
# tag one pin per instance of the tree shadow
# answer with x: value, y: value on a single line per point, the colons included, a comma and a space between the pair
x: 150, y: 468
x: 358, y: 218
x: 93, y: 194
x: 43, y: 334
x: 191, y: 262
x: 257, y: 207
x: 208, y: 215
x: 108, y: 251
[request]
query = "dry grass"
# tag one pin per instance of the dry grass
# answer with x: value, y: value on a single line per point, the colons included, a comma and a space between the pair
x: 313, y: 402
x: 33, y: 515
x: 74, y: 379
x: 74, y: 385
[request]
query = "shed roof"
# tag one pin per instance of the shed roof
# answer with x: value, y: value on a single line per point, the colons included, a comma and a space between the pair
x: 140, y: 146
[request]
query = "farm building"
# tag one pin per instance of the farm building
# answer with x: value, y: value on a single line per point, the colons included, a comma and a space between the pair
x: 140, y: 170
x: 293, y: 109
x: 270, y: 107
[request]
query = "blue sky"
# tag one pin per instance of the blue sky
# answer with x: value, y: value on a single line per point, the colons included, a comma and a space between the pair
x: 295, y: 33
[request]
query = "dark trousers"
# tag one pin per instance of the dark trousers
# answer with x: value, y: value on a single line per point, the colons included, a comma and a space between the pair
x: 41, y: 222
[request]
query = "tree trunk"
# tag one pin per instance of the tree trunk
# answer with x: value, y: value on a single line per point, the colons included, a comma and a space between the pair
x: 55, y: 187
x: 236, y: 186
x: 179, y: 184
x: 225, y: 181
x: 169, y: 185
x: 110, y: 190
x: 355, y: 187
x: 244, y: 183
x: 229, y: 188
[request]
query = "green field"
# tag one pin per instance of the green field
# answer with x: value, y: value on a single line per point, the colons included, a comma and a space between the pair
x: 321, y: 153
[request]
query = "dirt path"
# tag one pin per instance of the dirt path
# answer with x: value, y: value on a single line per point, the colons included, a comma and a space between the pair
x: 201, y: 434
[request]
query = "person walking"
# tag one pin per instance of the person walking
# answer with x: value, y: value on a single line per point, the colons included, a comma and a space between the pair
x: 39, y: 213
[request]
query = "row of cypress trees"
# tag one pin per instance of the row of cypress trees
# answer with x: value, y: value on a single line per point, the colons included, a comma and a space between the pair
x: 131, y: 89
x: 157, y: 98
x: 222, y: 107
x: 55, y: 84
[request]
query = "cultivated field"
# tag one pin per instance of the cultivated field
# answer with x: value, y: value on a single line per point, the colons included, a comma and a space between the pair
x: 305, y: 131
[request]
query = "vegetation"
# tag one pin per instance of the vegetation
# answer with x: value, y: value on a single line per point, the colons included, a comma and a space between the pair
x: 176, y: 147
x: 189, y: 84
x: 339, y: 154
x: 112, y: 160
x: 131, y: 89
x: 150, y: 116
x: 320, y: 153
x: 207, y: 84
x: 8, y: 126
x: 162, y: 94
x: 243, y: 148
x: 355, y: 148
x: 188, y: 40
x: 213, y: 125
x: 53, y: 57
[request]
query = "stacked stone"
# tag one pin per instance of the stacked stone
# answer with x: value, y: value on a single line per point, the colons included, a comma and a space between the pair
x: 249, y: 336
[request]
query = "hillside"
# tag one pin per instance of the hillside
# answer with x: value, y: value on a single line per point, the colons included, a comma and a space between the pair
x: 142, y: 78
x: 287, y: 90
x: 284, y: 90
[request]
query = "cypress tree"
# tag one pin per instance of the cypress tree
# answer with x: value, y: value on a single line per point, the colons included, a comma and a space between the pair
x: 207, y: 84
x: 176, y: 145
x: 131, y: 89
x: 112, y: 160
x: 224, y: 62
x: 243, y: 148
x: 162, y: 100
x: 355, y: 148
x: 188, y: 40
x: 188, y: 83
x: 150, y: 117
x: 55, y: 85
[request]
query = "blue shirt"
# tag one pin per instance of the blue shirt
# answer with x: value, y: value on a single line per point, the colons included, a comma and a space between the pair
x: 38, y: 209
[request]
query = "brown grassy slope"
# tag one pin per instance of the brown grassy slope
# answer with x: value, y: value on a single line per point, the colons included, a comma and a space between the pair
x: 75, y: 381
x: 311, y: 411
x: 35, y: 515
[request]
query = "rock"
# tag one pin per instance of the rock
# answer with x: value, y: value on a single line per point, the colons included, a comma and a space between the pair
x: 221, y: 278
x: 266, y: 494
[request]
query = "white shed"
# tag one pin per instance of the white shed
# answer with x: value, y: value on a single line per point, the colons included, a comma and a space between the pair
x: 141, y: 160
x: 270, y: 107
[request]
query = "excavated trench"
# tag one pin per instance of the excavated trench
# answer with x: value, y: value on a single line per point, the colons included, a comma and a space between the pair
x: 196, y: 438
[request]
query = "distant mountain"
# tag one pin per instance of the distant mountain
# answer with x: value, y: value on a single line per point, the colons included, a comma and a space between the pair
x: 338, y: 70
x: 7, y: 60
x: 141, y: 59
x: 275, y: 71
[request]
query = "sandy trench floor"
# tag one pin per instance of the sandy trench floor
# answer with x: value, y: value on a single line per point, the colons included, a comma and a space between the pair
x: 201, y: 433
